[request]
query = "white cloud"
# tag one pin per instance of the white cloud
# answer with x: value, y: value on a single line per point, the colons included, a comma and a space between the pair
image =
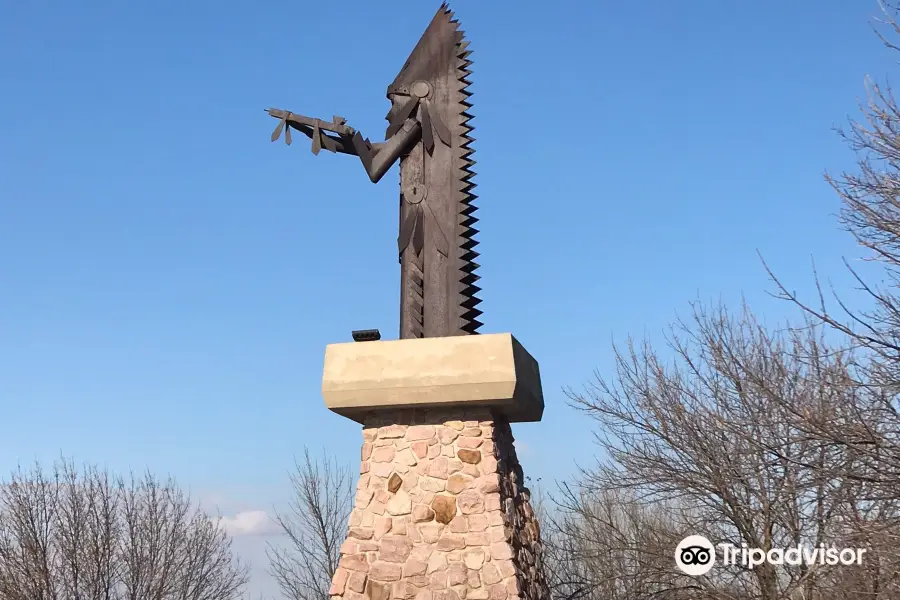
x: 249, y: 522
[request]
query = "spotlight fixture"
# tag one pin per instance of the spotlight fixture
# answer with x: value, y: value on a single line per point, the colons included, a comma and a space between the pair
x: 366, y: 335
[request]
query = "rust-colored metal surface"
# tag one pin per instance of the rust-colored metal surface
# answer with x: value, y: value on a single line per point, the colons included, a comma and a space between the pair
x: 429, y: 133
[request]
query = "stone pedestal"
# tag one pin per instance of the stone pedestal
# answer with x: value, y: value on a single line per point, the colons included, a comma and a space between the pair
x: 441, y: 511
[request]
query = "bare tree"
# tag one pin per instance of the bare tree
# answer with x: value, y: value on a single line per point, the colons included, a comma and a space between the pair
x: 70, y: 535
x: 315, y: 526
x: 607, y: 545
x: 869, y: 424
x: 706, y: 433
x: 748, y: 435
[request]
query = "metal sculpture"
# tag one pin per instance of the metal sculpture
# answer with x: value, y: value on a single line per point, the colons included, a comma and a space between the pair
x: 429, y: 133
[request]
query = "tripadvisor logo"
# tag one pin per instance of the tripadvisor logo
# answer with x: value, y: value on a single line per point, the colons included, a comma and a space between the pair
x: 695, y: 555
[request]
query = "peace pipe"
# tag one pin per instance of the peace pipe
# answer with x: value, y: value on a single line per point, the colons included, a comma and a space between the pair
x: 336, y: 125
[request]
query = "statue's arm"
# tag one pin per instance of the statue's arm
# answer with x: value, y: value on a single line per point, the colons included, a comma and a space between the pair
x: 378, y: 158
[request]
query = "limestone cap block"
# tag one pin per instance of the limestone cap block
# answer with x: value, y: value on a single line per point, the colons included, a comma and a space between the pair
x: 489, y: 370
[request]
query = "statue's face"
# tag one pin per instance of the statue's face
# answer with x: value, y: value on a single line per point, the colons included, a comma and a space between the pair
x: 396, y: 103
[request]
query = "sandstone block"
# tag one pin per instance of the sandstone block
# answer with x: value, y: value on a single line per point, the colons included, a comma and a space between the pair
x: 357, y: 582
x: 506, y: 568
x: 473, y: 558
x: 339, y: 582
x: 477, y: 522
x: 381, y: 571
x: 350, y: 546
x: 501, y: 551
x: 432, y: 484
x: 376, y: 590
x: 422, y: 514
x: 437, y: 562
x: 444, y: 508
x: 414, y: 567
x: 499, y: 533
x: 413, y: 532
x: 458, y: 482
x: 355, y: 517
x: 497, y: 592
x: 363, y: 497
x: 438, y: 581
x: 391, y: 431
x: 512, y: 586
x: 489, y: 465
x: 459, y: 524
x: 439, y: 468
x: 400, y: 504
x: 490, y: 574
x: 472, y: 457
x: 420, y: 432
x: 473, y: 579
x: 470, y: 502
x: 407, y: 457
x: 421, y: 553
x: 430, y: 532
x: 456, y: 574
x: 383, y: 454
x: 446, y: 435
x: 419, y: 448
x: 488, y: 484
x: 361, y: 533
x: 383, y: 470
x: 403, y: 590
x: 394, y: 548
x: 354, y: 562
x: 411, y: 481
x: 451, y: 541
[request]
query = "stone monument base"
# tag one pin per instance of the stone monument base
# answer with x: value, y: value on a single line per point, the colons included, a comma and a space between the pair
x: 441, y: 511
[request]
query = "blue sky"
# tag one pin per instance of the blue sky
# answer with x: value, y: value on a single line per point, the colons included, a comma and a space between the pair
x: 170, y: 278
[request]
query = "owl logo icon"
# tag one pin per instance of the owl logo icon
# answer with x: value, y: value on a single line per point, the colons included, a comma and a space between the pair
x: 695, y: 555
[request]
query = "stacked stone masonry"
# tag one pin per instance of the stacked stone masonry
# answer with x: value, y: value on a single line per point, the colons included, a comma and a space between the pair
x: 441, y: 513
